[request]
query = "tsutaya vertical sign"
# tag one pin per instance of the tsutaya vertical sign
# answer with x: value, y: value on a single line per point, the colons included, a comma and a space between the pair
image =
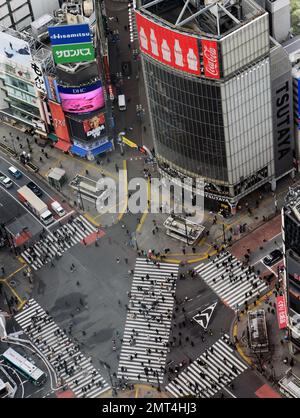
x: 210, y: 58
x: 281, y: 312
x: 172, y: 48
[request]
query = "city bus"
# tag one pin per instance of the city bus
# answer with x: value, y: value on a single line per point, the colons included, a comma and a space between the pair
x: 24, y: 367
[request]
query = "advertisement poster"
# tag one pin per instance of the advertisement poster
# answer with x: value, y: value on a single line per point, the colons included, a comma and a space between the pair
x: 210, y: 58
x: 14, y: 50
x: 59, y: 121
x: 63, y: 54
x: 84, y: 102
x: 69, y: 34
x: 95, y: 126
x: 168, y: 46
x: 281, y: 312
x: 38, y: 77
x: 52, y: 90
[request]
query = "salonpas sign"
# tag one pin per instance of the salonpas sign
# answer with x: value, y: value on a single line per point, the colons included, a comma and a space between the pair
x: 73, y: 53
x: 71, y: 43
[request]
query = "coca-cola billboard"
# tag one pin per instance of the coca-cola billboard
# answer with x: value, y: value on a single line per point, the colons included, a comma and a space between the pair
x: 177, y: 50
x: 210, y: 58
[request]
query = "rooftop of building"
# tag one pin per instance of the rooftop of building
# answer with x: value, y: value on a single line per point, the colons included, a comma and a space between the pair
x: 212, y: 18
x: 292, y: 202
x: 292, y: 47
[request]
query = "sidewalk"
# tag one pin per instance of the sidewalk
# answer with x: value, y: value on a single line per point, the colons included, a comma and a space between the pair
x: 270, y: 365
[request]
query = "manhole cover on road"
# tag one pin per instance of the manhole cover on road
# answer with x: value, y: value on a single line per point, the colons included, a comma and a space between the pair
x: 13, y: 283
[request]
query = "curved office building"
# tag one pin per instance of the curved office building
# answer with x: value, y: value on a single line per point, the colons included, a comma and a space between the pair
x: 208, y: 82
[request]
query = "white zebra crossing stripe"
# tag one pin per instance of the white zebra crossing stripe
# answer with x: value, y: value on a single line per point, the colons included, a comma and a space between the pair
x: 232, y: 282
x: 208, y: 374
x: 57, y: 242
x: 70, y: 364
x: 148, y: 322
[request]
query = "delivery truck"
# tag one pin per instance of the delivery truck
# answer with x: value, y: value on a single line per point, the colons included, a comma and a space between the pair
x: 35, y: 204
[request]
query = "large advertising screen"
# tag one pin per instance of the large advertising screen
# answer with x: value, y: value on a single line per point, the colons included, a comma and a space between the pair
x: 69, y: 34
x: 210, y: 58
x: 168, y: 46
x: 95, y: 126
x: 59, y: 121
x: 82, y: 102
x: 81, y: 89
x: 88, y: 129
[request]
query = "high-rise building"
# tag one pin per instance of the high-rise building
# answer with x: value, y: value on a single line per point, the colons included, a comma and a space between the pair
x: 208, y: 71
x: 292, y: 47
x: 291, y: 245
x: 279, y: 19
x: 17, y: 14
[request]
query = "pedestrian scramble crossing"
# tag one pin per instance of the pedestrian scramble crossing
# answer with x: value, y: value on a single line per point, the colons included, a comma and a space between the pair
x: 55, y: 243
x: 215, y: 369
x: 64, y: 356
x: 232, y: 282
x: 149, y: 315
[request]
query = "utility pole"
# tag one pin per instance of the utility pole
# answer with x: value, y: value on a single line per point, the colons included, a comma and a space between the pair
x: 224, y: 236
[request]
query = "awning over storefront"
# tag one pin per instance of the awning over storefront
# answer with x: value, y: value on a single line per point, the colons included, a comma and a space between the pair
x: 63, y: 145
x: 78, y: 151
x: 102, y: 148
x: 53, y: 137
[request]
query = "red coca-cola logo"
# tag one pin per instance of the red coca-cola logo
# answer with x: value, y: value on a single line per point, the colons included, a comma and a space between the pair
x: 212, y: 60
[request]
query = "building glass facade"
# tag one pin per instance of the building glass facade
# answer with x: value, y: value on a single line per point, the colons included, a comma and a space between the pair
x: 187, y: 121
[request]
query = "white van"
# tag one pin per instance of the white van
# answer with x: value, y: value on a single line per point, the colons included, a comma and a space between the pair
x: 122, y: 102
x: 58, y: 208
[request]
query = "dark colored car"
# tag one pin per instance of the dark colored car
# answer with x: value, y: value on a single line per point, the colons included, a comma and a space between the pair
x: 273, y: 257
x: 34, y: 188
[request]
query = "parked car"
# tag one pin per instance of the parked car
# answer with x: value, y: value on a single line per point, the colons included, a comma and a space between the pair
x: 34, y: 188
x: 273, y: 257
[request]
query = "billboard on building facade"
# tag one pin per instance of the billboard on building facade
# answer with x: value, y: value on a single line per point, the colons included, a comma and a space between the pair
x: 210, y: 58
x: 51, y: 88
x: 14, y: 50
x: 95, y: 126
x: 69, y: 34
x: 88, y: 129
x: 38, y: 77
x: 63, y: 54
x: 83, y: 102
x: 281, y: 312
x: 59, y: 121
x: 175, y: 49
x: 81, y: 89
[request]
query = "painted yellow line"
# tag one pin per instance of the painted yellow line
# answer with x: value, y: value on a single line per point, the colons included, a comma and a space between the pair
x: 21, y: 259
x: 20, y: 306
x: 136, y: 392
x: 92, y: 220
x: 145, y: 214
x: 14, y: 293
x: 121, y: 214
x: 239, y: 348
x: 15, y: 272
x: 101, y: 170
